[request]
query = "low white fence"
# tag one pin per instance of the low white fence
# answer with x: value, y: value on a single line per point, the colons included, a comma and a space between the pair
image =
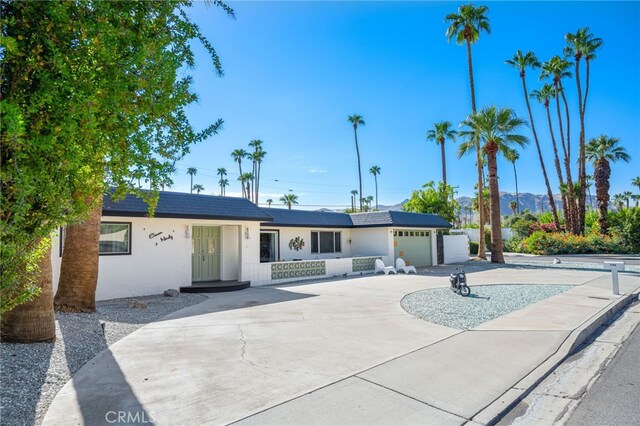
x: 456, y: 248
x: 283, y: 272
x: 473, y: 233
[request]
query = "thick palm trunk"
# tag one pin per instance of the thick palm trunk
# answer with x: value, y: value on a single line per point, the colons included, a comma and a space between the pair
x: 552, y: 202
x: 494, y: 195
x: 582, y: 172
x: 79, y: 266
x: 355, y: 134
x: 33, y: 321
x: 444, y: 163
x: 601, y: 177
x: 556, y: 159
x: 481, y: 245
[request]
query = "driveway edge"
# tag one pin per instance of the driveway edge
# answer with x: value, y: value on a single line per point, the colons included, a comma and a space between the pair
x: 492, y: 414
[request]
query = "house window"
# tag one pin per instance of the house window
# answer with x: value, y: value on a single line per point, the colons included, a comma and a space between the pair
x: 269, y: 246
x: 326, y: 242
x: 115, y: 238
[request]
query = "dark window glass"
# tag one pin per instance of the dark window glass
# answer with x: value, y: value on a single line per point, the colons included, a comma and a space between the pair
x: 314, y: 242
x: 326, y: 242
x: 337, y: 242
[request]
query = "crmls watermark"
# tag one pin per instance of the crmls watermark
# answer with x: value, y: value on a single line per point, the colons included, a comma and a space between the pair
x: 129, y: 417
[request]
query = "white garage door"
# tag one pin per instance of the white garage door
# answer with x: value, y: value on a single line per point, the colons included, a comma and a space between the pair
x: 414, y: 246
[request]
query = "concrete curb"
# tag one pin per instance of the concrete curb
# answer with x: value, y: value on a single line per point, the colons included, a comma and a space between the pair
x: 493, y: 413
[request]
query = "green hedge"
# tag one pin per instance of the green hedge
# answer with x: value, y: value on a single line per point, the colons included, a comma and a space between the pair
x: 541, y: 242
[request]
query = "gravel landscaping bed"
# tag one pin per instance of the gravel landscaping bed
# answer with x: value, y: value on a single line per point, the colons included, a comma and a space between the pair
x: 444, y: 307
x: 33, y: 374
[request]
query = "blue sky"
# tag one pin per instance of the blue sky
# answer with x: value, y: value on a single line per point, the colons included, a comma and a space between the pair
x: 295, y: 70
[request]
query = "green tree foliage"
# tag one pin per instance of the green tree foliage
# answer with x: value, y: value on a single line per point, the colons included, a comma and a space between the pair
x: 93, y: 96
x: 626, y: 225
x: 434, y: 199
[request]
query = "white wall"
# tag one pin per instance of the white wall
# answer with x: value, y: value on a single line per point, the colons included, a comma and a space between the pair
x: 474, y: 232
x: 372, y: 242
x: 287, y: 234
x: 456, y: 248
x: 156, y: 265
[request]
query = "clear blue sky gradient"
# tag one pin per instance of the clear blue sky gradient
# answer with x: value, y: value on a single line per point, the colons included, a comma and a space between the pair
x: 295, y: 70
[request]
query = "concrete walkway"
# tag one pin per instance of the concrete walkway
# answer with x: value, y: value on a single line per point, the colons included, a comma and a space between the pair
x: 333, y: 352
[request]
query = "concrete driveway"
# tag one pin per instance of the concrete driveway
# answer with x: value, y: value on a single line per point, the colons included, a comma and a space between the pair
x: 329, y: 352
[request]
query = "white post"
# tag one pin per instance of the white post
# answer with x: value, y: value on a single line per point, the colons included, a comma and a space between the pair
x: 614, y: 267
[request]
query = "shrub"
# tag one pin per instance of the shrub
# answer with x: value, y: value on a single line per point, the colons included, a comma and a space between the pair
x: 541, y: 242
x: 626, y: 225
x: 473, y: 248
x: 521, y: 225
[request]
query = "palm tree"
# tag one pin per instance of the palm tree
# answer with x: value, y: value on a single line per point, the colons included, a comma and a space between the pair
x: 496, y: 129
x: 256, y: 144
x: 245, y: 180
x: 357, y: 120
x: 222, y: 172
x: 618, y: 201
x: 636, y: 182
x: 197, y: 187
x: 636, y: 198
x: 512, y: 156
x: 589, y: 183
x: 513, y: 205
x: 269, y: 201
x: 34, y: 321
x: 354, y: 194
x: 238, y: 155
x: 289, y: 199
x: 223, y: 186
x: 368, y: 200
x: 544, y: 95
x: 466, y: 26
x: 79, y: 266
x: 257, y: 157
x: 579, y: 45
x: 521, y: 62
x: 600, y: 151
x: 192, y: 171
x: 627, y: 197
x: 440, y: 133
x: 375, y: 171
x: 558, y: 68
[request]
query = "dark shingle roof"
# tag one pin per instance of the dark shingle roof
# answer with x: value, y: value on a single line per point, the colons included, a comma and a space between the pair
x: 398, y: 218
x: 187, y: 206
x: 306, y: 218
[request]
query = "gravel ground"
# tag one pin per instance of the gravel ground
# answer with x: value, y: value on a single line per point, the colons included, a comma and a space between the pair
x: 33, y: 374
x: 444, y: 307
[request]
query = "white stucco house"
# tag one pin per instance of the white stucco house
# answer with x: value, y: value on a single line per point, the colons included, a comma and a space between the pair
x: 211, y: 243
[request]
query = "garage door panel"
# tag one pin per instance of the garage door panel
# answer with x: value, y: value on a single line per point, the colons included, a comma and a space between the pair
x: 413, y: 246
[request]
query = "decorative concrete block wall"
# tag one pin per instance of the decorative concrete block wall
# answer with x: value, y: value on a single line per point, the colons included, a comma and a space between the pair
x: 301, y: 269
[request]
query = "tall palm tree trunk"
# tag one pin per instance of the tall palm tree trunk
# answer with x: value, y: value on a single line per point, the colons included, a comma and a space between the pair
x: 79, y: 266
x: 33, y: 321
x: 444, y: 162
x: 494, y: 196
x: 191, y: 187
x: 571, y: 199
x: 481, y: 244
x: 556, y: 159
x: 355, y: 134
x: 552, y: 203
x: 241, y: 182
x: 375, y: 178
x: 515, y: 174
x: 601, y: 177
x: 570, y: 206
x: 582, y: 169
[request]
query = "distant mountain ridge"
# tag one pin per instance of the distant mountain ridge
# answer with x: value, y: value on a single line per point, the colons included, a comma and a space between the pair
x: 536, y: 203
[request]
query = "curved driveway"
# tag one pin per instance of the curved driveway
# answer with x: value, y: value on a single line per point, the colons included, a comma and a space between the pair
x: 241, y: 353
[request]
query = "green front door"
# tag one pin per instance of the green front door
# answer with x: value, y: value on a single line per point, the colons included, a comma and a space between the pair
x: 205, y: 253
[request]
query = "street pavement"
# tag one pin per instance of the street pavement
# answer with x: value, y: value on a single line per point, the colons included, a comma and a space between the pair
x: 338, y: 351
x: 628, y: 259
x: 615, y: 398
